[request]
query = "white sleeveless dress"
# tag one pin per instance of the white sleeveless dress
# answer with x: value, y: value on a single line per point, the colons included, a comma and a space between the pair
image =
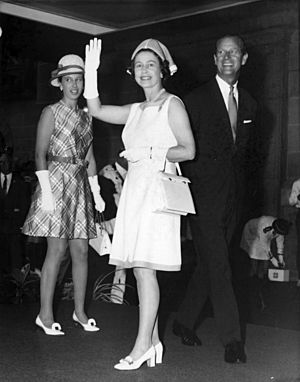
x: 143, y: 238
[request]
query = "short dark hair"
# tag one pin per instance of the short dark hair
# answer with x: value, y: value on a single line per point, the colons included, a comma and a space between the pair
x: 164, y: 65
x: 237, y: 38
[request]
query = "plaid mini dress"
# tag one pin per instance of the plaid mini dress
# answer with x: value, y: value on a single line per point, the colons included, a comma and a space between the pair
x: 73, y: 217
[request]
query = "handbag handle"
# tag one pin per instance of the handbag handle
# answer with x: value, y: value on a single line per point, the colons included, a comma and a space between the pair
x: 178, y: 168
x: 100, y: 218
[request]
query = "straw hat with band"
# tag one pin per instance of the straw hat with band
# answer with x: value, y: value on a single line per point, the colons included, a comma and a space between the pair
x: 160, y: 49
x: 69, y: 64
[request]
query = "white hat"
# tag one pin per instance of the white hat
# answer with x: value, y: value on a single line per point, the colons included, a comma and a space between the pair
x: 160, y: 49
x: 69, y: 64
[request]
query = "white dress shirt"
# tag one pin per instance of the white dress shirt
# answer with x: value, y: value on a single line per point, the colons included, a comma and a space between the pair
x: 225, y: 89
x: 8, y: 177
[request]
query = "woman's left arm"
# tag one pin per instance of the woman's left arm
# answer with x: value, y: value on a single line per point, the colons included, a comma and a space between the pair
x: 180, y: 125
x: 93, y: 180
x: 92, y: 168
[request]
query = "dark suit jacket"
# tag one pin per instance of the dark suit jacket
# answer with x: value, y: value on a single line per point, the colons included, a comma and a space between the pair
x: 14, y: 205
x: 218, y: 171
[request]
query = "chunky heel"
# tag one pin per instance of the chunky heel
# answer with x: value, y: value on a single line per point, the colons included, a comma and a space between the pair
x: 151, y: 361
x: 158, y: 352
x: 129, y: 364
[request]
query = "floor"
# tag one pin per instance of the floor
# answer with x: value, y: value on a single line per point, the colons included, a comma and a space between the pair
x: 272, y: 338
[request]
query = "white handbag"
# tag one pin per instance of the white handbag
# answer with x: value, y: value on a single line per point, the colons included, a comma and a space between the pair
x: 101, y: 244
x: 173, y: 194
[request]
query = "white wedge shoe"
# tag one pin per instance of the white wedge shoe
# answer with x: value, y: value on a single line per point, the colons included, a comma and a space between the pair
x: 90, y: 326
x: 55, y: 329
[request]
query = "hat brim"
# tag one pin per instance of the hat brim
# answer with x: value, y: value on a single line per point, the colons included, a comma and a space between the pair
x: 54, y: 80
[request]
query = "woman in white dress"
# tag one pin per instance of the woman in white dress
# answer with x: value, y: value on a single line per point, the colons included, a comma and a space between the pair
x: 156, y: 135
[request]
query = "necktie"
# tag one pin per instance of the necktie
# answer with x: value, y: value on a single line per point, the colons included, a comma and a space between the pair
x: 232, y: 111
x: 4, y: 184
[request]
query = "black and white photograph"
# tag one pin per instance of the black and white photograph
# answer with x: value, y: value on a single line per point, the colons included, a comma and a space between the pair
x: 149, y: 191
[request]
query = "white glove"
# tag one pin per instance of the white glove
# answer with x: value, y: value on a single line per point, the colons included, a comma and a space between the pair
x: 99, y: 202
x: 293, y: 199
x: 139, y: 153
x: 92, y: 62
x: 136, y: 154
x: 48, y: 201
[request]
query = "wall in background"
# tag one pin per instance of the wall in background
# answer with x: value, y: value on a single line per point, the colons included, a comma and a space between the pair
x: 271, y: 31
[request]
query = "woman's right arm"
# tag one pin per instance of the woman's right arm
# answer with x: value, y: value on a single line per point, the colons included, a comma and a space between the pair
x: 44, y: 131
x: 106, y: 113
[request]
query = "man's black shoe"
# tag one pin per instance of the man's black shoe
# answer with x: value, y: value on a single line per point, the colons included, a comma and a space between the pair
x: 235, y: 353
x: 188, y: 336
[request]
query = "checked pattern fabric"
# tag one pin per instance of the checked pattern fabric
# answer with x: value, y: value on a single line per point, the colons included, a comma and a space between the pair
x: 74, y: 215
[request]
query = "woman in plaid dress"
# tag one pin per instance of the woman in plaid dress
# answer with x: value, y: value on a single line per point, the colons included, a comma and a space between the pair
x: 61, y: 208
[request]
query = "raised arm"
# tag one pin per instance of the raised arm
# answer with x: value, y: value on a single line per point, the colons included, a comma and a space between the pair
x: 180, y: 125
x: 107, y: 113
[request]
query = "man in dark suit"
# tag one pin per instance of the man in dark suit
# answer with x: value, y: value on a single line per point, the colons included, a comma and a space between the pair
x: 222, y: 117
x: 14, y: 204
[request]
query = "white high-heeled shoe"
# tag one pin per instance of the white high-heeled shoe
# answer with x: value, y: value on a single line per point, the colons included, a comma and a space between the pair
x: 90, y: 326
x: 55, y: 329
x: 129, y: 364
x: 158, y: 352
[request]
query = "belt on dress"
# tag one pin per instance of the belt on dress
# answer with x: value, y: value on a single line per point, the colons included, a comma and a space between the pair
x: 71, y: 160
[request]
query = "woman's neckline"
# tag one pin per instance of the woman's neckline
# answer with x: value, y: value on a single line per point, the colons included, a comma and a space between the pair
x: 157, y: 96
x: 76, y: 108
x: 151, y: 103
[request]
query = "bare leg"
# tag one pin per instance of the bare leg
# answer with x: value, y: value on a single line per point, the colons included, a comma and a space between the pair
x: 79, y: 254
x: 148, y: 293
x: 155, y: 335
x: 55, y: 252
